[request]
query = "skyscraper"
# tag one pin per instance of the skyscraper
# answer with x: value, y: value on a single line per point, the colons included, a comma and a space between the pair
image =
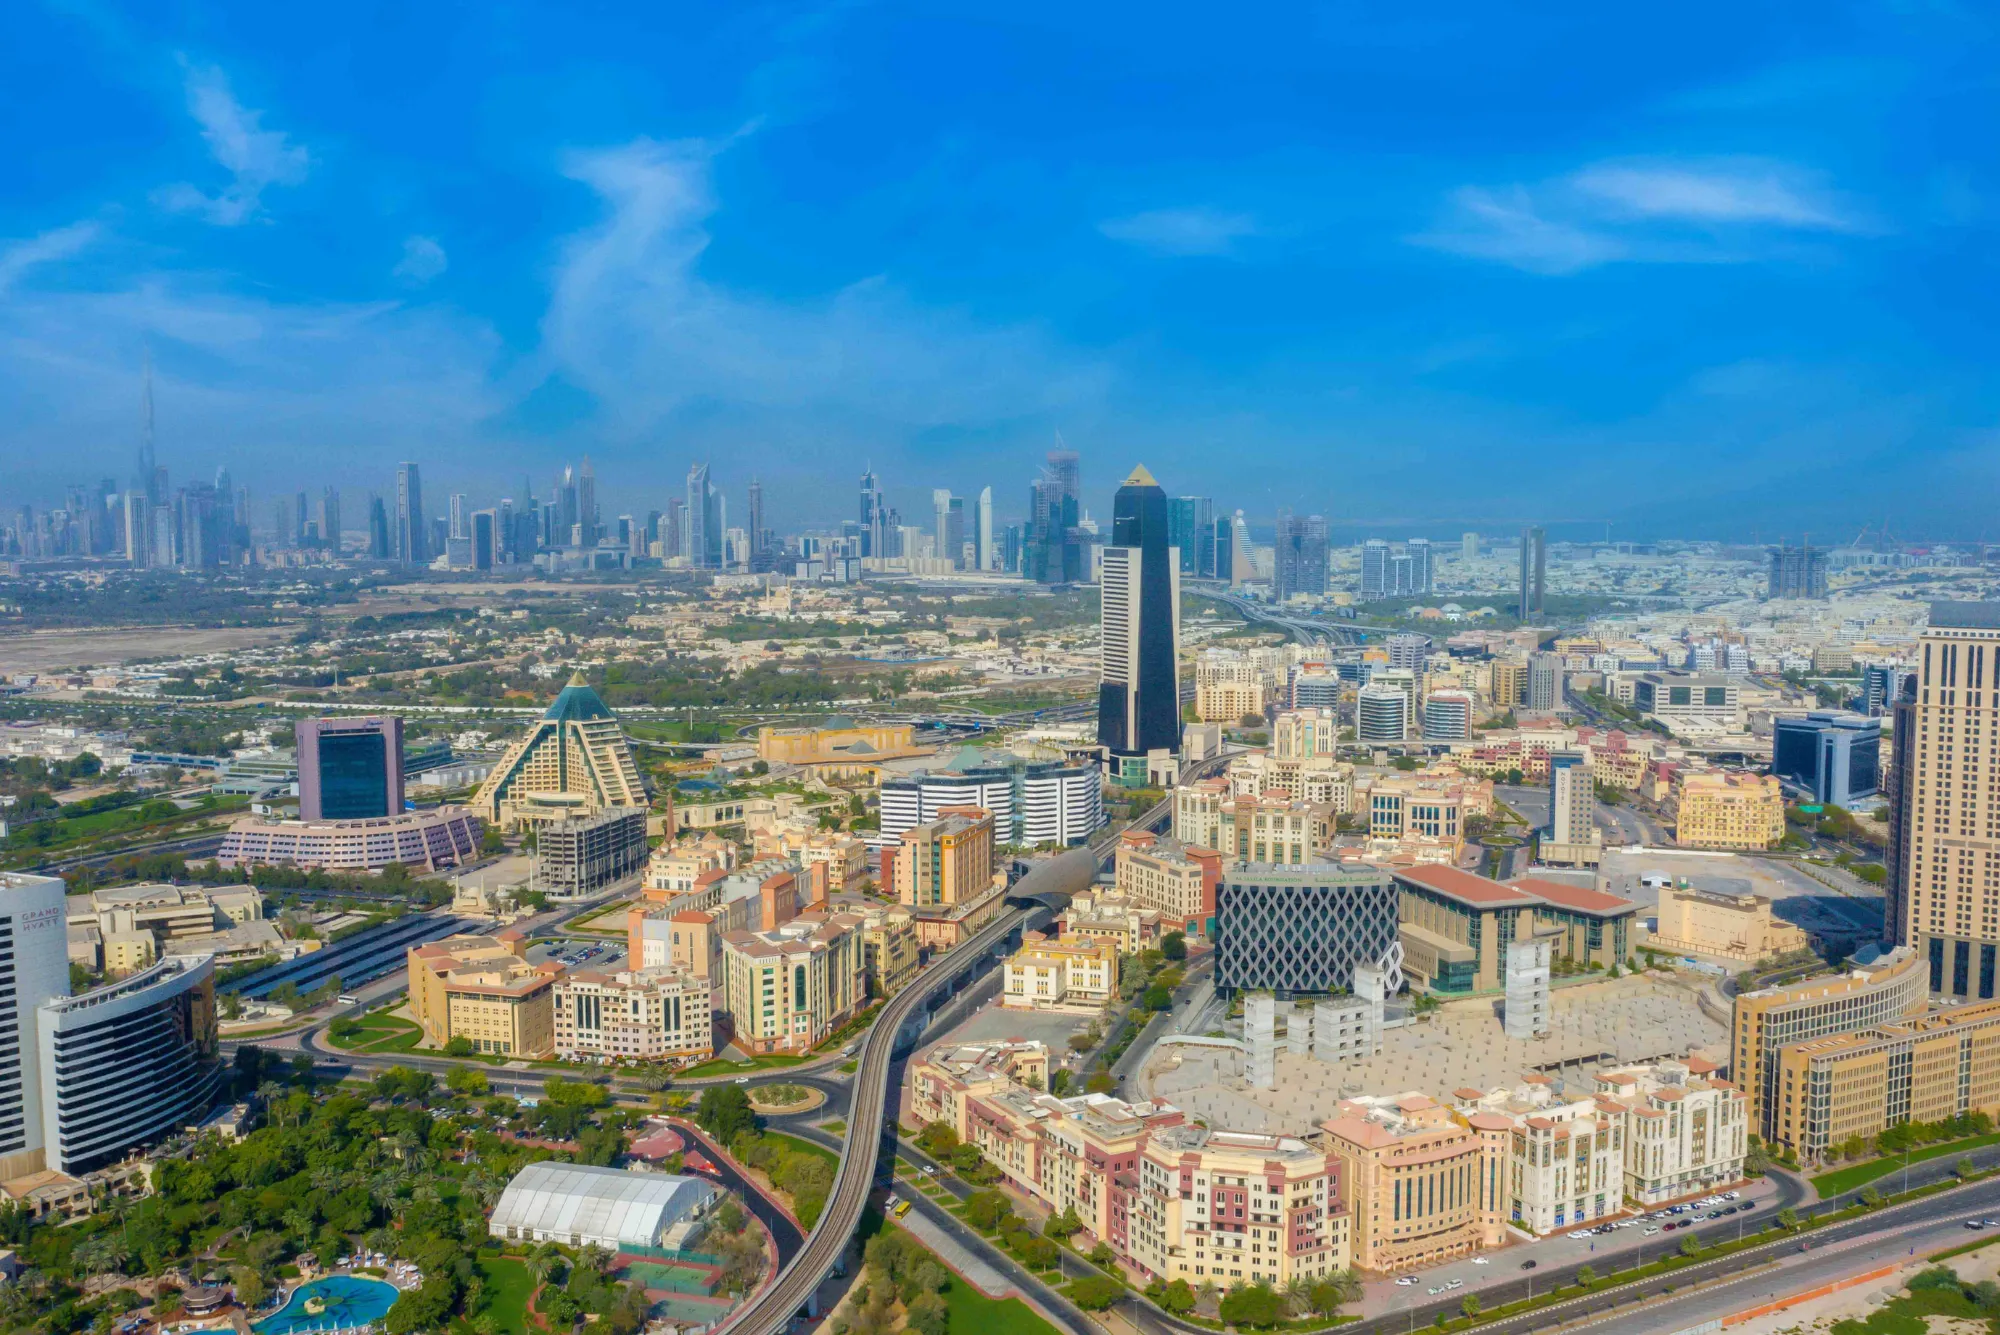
x: 941, y: 500
x: 954, y: 531
x: 586, y: 505
x: 350, y: 768
x: 756, y: 534
x: 1375, y: 574
x: 378, y: 528
x: 1301, y: 555
x: 1468, y: 547
x: 1191, y: 529
x: 1138, y: 695
x: 1945, y: 792
x: 1796, y: 572
x: 874, y: 517
x: 1534, y: 572
x: 983, y: 555
x: 412, y: 532
x: 460, y: 508
x: 1055, y: 546
x: 703, y: 530
x: 1420, y: 566
x: 329, y: 519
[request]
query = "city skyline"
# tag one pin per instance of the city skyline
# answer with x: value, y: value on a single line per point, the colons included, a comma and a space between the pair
x: 1515, y: 285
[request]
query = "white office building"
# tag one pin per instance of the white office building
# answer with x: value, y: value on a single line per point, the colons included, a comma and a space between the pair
x: 1381, y: 714
x: 34, y: 968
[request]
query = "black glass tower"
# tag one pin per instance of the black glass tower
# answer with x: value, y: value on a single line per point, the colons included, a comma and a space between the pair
x: 1138, y: 695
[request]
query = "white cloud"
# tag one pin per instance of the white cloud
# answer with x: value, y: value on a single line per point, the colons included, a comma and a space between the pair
x: 58, y: 243
x: 423, y: 259
x: 1507, y: 227
x: 254, y: 157
x: 1745, y: 193
x: 634, y: 322
x: 282, y: 392
x: 1189, y: 231
x: 1694, y: 212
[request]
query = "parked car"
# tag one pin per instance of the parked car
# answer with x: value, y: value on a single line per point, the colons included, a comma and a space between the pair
x: 1651, y: 1231
x: 1527, y: 1265
x: 1407, y: 1280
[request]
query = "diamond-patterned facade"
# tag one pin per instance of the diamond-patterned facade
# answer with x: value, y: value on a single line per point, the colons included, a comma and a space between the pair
x: 1301, y: 930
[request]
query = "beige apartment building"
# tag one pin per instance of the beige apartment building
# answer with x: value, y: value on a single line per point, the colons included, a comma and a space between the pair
x: 889, y: 942
x: 1176, y: 880
x: 1729, y: 809
x: 1129, y: 924
x: 674, y: 867
x: 1305, y: 734
x: 947, y: 861
x: 1877, y: 990
x: 482, y: 989
x: 1565, y: 1160
x: 1073, y: 974
x: 1227, y: 686
x: 1277, y: 830
x: 788, y: 989
x: 1423, y: 1183
x: 1199, y: 812
x: 1317, y: 779
x: 642, y: 1015
x: 1688, y: 1130
x: 1723, y: 926
x: 1926, y: 1069
x: 1233, y: 1208
x: 1421, y: 817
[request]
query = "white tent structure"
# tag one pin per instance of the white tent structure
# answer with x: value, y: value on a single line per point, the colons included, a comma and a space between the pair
x: 578, y: 1205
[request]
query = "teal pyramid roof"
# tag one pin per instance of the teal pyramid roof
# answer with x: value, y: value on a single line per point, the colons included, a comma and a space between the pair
x: 577, y: 703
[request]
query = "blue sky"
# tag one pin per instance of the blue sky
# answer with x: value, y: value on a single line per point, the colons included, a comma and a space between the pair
x: 1715, y: 269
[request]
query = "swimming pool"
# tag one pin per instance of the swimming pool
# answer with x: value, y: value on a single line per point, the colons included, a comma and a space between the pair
x: 343, y: 1302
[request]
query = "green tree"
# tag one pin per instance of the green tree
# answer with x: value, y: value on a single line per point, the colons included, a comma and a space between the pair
x: 1470, y: 1304
x: 1094, y: 1293
x: 1157, y: 998
x: 1870, y: 1197
x: 1255, y: 1305
x: 724, y: 1112
x: 459, y: 1046
x: 1102, y: 1256
x: 1177, y: 1297
x: 1585, y: 1276
x: 1174, y: 946
x: 468, y: 1081
x: 1964, y: 1167
x: 1788, y: 1218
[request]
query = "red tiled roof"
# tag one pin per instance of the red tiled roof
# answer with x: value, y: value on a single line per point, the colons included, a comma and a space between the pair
x: 1466, y: 887
x: 1577, y: 897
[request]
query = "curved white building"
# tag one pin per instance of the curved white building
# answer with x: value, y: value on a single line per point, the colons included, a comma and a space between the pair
x: 129, y: 1063
x: 1381, y: 714
x: 420, y: 840
x: 1033, y: 802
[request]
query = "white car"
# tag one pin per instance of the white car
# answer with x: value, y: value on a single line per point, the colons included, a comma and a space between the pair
x: 1454, y: 1284
x: 1651, y: 1229
x: 1480, y: 1260
x: 1435, y: 1289
x: 1407, y: 1280
x: 1731, y: 1195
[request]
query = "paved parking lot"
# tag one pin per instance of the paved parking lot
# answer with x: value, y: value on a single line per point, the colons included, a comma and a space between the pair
x: 1617, y: 1249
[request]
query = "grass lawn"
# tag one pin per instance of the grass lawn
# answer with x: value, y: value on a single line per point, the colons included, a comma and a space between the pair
x: 508, y: 1284
x: 835, y: 1127
x: 1861, y: 1174
x: 797, y: 1146
x: 382, y: 1033
x: 725, y: 1066
x: 972, y: 1310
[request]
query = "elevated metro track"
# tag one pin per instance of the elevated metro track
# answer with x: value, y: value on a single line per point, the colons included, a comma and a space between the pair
x: 1039, y: 895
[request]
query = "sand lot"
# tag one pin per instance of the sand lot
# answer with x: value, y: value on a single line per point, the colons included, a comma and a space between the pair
x: 47, y: 650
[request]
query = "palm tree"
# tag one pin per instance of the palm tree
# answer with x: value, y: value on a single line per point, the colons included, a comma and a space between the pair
x: 272, y: 1095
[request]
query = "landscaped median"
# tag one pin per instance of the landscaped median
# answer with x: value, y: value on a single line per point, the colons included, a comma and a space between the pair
x: 1840, y: 1181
